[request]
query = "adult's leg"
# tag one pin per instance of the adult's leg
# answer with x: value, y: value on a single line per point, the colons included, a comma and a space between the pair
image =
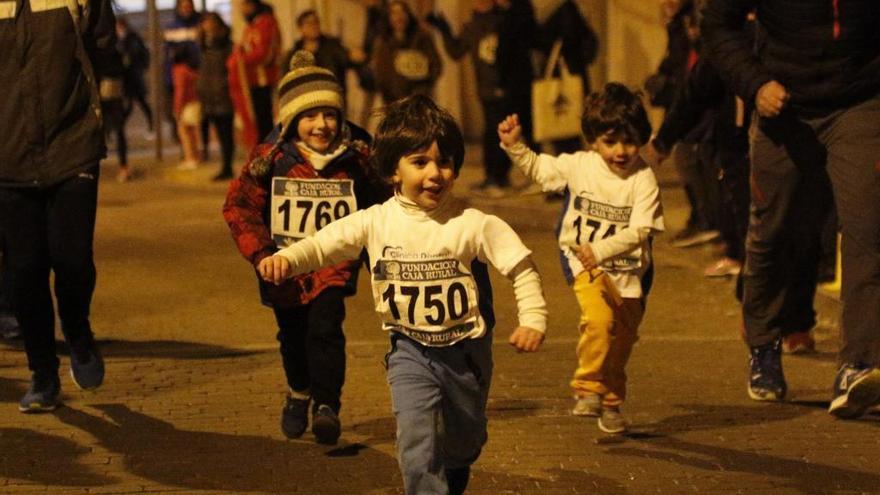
x: 786, y: 159
x: 26, y: 273
x: 261, y: 97
x: 853, y: 151
x: 326, y: 347
x: 223, y: 126
x: 71, y: 208
x: 495, y: 160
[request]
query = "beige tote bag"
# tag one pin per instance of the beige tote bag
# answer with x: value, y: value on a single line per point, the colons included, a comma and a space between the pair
x: 557, y: 102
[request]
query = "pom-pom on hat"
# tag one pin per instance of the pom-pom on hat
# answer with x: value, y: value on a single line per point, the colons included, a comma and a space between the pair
x: 307, y: 86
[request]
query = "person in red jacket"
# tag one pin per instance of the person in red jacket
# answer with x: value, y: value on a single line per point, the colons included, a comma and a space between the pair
x: 311, y: 170
x: 253, y: 70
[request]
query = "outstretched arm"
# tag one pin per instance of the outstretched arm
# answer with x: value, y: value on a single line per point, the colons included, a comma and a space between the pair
x: 543, y: 169
x: 529, y: 335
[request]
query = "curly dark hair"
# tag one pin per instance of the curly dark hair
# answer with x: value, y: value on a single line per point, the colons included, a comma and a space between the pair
x: 615, y: 109
x: 412, y: 124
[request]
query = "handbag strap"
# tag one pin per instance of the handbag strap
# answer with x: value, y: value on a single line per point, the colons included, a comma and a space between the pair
x: 555, y: 59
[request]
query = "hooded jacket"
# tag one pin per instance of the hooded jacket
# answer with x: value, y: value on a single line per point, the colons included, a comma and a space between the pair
x: 54, y: 52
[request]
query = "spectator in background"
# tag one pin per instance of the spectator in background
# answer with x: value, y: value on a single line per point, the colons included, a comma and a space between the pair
x: 579, y: 48
x: 181, y: 38
x: 213, y: 87
x: 187, y: 109
x: 49, y: 182
x: 112, y: 95
x: 135, y: 61
x: 254, y: 64
x: 404, y: 58
x: 366, y: 78
x: 499, y: 38
x: 815, y: 83
x: 327, y: 50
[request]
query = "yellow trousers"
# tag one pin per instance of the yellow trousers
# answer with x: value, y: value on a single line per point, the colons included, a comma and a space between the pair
x: 608, y: 330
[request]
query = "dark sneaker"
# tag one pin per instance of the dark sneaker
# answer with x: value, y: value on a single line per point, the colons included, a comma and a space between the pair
x: 325, y: 425
x: 295, y: 417
x: 766, y: 381
x: 612, y: 421
x: 86, y: 366
x: 9, y: 328
x: 457, y: 479
x: 856, y: 389
x: 42, y: 396
x: 588, y: 405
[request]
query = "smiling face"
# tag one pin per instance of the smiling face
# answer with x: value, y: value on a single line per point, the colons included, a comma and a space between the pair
x: 618, y: 151
x: 425, y: 177
x: 318, y: 128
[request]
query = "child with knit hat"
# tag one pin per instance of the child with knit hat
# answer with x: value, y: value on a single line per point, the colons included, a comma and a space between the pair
x: 311, y: 170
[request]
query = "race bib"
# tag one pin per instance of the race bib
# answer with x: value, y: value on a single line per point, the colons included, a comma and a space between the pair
x: 487, y: 49
x: 411, y: 64
x: 432, y: 300
x: 589, y: 220
x: 301, y: 207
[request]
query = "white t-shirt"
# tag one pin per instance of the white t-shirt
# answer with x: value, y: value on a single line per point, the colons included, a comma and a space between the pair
x: 427, y: 268
x: 599, y: 205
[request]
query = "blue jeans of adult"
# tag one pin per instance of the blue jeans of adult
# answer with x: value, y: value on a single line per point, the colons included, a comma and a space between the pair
x: 50, y: 229
x: 313, y: 346
x: 438, y: 396
x: 793, y: 158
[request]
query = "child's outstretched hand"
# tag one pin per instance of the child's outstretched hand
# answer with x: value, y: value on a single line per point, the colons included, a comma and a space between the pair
x: 510, y: 131
x: 274, y: 269
x: 526, y: 339
x: 586, y: 256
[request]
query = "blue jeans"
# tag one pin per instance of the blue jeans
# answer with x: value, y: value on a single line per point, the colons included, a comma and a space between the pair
x: 439, y: 396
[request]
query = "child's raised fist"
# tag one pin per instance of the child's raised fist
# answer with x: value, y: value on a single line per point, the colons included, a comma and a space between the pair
x: 274, y: 269
x: 510, y: 130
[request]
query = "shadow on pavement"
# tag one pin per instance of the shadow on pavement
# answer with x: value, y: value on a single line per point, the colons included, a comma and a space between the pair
x: 156, y: 450
x: 45, y: 459
x: 713, y: 416
x: 162, y: 349
x: 11, y: 390
x: 800, y: 475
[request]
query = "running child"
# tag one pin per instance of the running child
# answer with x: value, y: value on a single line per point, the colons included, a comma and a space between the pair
x: 611, y: 211
x: 430, y: 257
x: 311, y: 171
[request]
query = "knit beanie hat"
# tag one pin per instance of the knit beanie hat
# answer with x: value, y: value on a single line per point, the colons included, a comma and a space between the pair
x: 306, y: 86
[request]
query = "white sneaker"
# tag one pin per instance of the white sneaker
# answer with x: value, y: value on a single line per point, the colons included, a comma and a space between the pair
x: 589, y: 405
x: 187, y: 165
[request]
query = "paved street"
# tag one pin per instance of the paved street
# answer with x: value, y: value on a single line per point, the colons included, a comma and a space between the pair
x: 194, y: 384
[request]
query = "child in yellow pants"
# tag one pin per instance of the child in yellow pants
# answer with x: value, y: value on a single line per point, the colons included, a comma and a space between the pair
x: 611, y: 210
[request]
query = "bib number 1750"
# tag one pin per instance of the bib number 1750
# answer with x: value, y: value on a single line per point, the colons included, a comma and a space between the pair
x: 435, y: 307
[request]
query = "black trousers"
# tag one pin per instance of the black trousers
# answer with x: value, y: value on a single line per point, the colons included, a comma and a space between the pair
x: 50, y: 229
x: 223, y: 125
x: 313, y: 346
x: 261, y: 98
x: 793, y: 159
x: 495, y: 161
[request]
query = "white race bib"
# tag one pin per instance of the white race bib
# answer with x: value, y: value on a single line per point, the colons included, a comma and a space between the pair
x: 411, y: 64
x: 487, y: 49
x: 301, y: 207
x: 432, y: 300
x: 588, y: 220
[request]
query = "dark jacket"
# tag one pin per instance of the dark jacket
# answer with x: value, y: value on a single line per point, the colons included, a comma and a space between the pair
x: 213, y: 84
x: 247, y: 212
x: 391, y: 79
x: 579, y: 42
x: 51, y: 128
x: 331, y: 55
x: 825, y: 52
